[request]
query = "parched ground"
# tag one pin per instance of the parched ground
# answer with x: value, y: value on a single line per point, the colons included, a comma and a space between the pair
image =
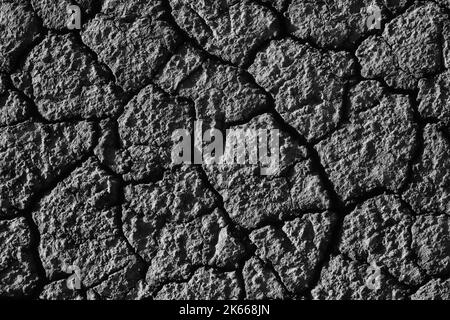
x: 360, y: 208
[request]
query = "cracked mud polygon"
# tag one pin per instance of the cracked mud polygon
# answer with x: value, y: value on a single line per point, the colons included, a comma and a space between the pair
x: 360, y: 205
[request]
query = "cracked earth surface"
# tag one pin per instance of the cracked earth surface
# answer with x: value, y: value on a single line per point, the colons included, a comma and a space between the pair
x: 86, y: 179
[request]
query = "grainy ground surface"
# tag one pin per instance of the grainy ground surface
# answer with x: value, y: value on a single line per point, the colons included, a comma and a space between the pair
x: 359, y: 210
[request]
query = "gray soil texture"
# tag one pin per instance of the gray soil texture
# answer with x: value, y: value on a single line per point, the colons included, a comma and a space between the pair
x: 92, y: 206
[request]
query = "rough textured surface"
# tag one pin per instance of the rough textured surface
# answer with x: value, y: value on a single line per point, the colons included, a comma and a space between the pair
x: 434, y: 97
x: 77, y: 221
x: 295, y: 249
x: 261, y: 282
x: 411, y: 47
x: 373, y: 150
x: 221, y: 93
x: 378, y: 231
x: 431, y: 244
x: 145, y: 129
x: 384, y: 232
x: 204, y: 284
x: 33, y: 155
x: 308, y: 86
x: 65, y: 81
x: 18, y: 274
x: 59, y: 290
x: 54, y: 12
x: 433, y: 290
x: 347, y: 280
x: 13, y: 108
x: 252, y: 199
x: 336, y: 24
x: 229, y: 29
x: 429, y: 190
x: 94, y: 204
x: 204, y: 241
x: 19, y: 28
x: 176, y: 228
x: 131, y: 41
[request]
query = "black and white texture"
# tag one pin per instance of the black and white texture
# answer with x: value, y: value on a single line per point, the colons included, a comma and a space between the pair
x: 86, y: 179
